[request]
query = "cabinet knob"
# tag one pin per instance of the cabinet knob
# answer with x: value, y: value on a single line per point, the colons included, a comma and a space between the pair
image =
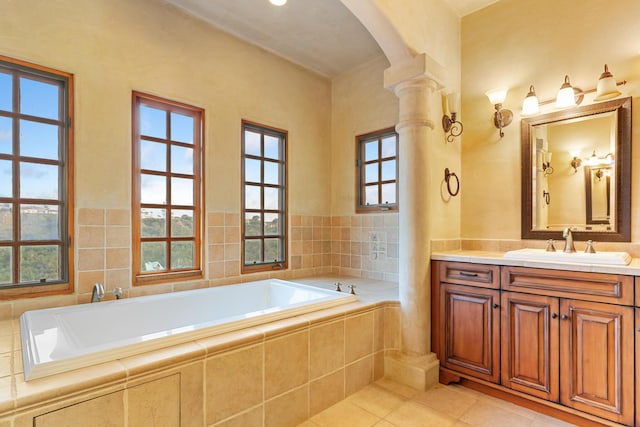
x: 554, y: 315
x: 564, y: 317
x: 495, y: 305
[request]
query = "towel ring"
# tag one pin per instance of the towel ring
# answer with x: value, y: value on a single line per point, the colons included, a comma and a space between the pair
x: 447, y: 177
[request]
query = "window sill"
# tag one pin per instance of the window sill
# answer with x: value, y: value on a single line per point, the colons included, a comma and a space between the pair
x: 261, y: 268
x: 156, y: 278
x: 35, y: 291
x: 377, y: 209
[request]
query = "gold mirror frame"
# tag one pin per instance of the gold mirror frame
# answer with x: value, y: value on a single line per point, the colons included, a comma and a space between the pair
x: 622, y: 232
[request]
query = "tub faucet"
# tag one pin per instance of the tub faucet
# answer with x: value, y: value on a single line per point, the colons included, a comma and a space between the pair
x: 98, y: 292
x: 568, y: 243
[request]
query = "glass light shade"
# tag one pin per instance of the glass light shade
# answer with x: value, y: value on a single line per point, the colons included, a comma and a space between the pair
x: 530, y: 105
x: 607, y: 87
x: 566, y: 96
x: 593, y: 160
x: 497, y: 96
x: 278, y: 2
x: 453, y: 99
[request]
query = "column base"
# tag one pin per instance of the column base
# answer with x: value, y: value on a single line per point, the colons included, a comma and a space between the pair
x: 419, y: 372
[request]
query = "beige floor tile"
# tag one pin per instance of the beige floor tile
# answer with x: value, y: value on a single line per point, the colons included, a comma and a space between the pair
x: 544, y: 421
x: 308, y: 424
x: 412, y: 414
x: 446, y: 399
x: 510, y: 407
x: 394, y: 387
x: 484, y: 413
x: 384, y: 423
x: 376, y: 400
x: 461, y: 424
x: 345, y: 414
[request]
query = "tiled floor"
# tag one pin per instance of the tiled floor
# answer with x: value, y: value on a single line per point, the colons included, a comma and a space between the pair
x: 388, y: 404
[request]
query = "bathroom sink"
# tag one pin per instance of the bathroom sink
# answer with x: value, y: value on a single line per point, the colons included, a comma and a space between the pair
x: 611, y: 258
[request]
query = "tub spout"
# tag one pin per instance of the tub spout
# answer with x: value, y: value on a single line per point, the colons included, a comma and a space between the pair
x: 98, y: 292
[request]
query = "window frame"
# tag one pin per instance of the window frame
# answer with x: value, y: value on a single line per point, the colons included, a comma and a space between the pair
x: 360, y: 171
x: 283, y: 135
x: 169, y: 106
x: 65, y: 285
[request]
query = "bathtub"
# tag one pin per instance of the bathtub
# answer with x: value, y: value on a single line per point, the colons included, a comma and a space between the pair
x: 62, y: 339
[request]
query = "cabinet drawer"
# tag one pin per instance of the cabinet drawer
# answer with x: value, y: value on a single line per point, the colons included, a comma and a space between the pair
x: 610, y: 288
x: 637, y: 291
x: 463, y: 273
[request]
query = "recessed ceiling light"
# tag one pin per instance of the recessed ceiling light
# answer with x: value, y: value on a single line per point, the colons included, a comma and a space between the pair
x: 278, y: 2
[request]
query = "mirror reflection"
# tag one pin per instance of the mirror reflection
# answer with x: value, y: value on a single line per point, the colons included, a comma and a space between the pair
x: 576, y: 172
x: 565, y: 154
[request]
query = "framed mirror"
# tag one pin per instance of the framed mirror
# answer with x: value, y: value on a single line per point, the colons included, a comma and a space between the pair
x: 576, y: 171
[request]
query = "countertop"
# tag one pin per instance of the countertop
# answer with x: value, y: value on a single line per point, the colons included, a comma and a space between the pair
x: 497, y: 258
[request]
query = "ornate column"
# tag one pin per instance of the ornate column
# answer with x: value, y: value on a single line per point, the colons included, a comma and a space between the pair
x: 416, y: 83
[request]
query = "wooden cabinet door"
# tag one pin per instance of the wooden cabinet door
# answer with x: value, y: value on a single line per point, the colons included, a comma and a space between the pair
x: 637, y: 363
x: 597, y: 359
x: 530, y: 338
x: 470, y: 330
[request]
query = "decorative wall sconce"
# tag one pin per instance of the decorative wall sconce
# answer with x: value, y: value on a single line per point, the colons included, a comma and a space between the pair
x: 546, y: 164
x: 595, y: 160
x: 576, y: 162
x: 530, y: 105
x: 566, y: 96
x: 502, y: 117
x: 450, y: 124
x: 599, y: 174
x: 607, y: 86
x: 569, y: 96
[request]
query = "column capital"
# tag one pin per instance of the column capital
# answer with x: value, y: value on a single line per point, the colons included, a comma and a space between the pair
x: 420, y: 70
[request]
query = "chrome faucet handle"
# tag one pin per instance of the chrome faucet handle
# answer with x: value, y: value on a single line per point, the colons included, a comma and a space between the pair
x: 338, y: 287
x: 353, y: 289
x: 550, y: 247
x: 117, y: 292
x: 590, y: 249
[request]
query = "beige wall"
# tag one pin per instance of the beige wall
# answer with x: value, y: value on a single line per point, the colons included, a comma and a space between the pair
x: 115, y: 46
x: 517, y: 43
x: 359, y: 105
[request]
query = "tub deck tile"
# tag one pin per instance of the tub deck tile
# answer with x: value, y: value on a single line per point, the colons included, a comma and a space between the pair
x: 163, y: 358
x: 225, y: 342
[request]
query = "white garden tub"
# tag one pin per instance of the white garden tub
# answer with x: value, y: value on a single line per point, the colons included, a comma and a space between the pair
x: 61, y: 339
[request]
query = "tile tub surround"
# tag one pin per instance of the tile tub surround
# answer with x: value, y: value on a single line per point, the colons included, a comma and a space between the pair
x: 364, y: 246
x: 254, y: 374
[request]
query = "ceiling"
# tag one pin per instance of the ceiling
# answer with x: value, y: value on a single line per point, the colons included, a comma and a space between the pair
x: 320, y: 35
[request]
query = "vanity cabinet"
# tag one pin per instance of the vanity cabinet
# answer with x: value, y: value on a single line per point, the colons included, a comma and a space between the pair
x: 565, y: 337
x: 469, y: 339
x: 530, y: 340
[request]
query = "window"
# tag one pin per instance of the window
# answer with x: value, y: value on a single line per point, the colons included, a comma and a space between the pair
x: 263, y: 198
x: 36, y: 215
x: 377, y: 171
x: 167, y: 189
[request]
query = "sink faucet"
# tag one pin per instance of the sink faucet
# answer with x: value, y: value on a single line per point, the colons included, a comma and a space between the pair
x: 568, y: 243
x: 98, y: 292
